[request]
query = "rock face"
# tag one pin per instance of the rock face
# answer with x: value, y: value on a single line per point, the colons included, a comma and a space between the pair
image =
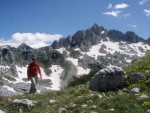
x: 108, y: 79
x: 129, y: 36
x: 83, y: 39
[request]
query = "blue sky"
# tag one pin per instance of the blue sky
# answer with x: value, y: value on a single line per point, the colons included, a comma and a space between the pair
x: 39, y: 22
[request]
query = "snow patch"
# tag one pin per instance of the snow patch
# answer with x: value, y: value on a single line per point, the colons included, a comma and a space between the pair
x: 61, y: 50
x: 73, y: 60
x: 102, y: 32
x: 55, y: 77
x: 82, y: 71
x: 22, y: 72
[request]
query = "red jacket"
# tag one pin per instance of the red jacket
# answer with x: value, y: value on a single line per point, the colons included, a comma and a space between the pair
x: 33, y: 70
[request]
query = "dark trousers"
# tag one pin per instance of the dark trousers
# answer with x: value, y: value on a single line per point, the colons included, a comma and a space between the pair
x: 33, y: 84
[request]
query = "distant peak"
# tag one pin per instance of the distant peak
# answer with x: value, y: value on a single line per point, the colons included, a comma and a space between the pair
x: 95, y: 26
x: 24, y: 46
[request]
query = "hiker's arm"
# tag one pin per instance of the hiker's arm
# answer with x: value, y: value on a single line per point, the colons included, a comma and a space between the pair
x: 28, y: 71
x: 40, y: 71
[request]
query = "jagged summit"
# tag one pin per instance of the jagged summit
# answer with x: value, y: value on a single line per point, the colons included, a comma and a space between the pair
x: 84, y: 39
x: 95, y: 25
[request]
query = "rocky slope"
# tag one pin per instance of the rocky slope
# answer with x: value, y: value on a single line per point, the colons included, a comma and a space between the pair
x: 93, y: 48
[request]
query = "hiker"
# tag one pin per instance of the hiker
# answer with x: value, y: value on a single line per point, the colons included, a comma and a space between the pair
x: 32, y: 73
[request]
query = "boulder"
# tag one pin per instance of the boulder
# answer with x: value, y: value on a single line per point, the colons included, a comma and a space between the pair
x: 134, y: 91
x: 29, y: 103
x: 135, y: 77
x: 103, y: 49
x: 109, y: 78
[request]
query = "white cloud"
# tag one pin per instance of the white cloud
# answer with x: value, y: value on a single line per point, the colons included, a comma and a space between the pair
x: 133, y: 26
x: 147, y: 12
x: 121, y: 6
x: 109, y: 6
x: 115, y: 10
x: 33, y: 40
x: 143, y: 2
x: 126, y: 15
x: 112, y: 13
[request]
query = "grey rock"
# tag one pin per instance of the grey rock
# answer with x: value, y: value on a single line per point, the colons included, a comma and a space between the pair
x: 5, y: 92
x: 85, y: 45
x: 55, y: 45
x: 148, y: 110
x: 63, y: 42
x: 95, y: 65
x: 93, y: 112
x: 129, y: 36
x: 52, y: 101
x: 116, y: 35
x: 102, y: 49
x: 20, y: 110
x: 61, y: 110
x: 135, y: 77
x: 86, y: 61
x: 20, y: 87
x: 143, y: 96
x: 29, y: 103
x: 132, y: 37
x: 100, y: 96
x: 108, y: 79
x: 134, y: 91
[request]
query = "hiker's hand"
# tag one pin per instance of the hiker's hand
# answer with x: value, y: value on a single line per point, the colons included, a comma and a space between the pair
x: 41, y: 77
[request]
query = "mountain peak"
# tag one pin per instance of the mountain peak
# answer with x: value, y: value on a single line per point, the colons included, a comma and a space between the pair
x: 24, y: 46
x: 95, y: 26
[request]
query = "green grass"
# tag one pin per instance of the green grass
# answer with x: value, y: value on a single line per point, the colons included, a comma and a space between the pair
x: 79, y: 98
x: 142, y: 66
x: 73, y: 98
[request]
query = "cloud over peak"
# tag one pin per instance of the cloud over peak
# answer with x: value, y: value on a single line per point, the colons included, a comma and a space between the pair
x: 34, y: 40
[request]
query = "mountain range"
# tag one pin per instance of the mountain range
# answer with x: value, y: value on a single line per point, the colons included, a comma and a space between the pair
x: 91, y: 49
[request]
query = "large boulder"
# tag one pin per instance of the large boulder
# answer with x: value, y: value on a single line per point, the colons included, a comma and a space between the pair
x: 109, y: 78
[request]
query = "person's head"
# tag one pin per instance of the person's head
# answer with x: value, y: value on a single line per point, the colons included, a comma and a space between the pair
x: 34, y: 60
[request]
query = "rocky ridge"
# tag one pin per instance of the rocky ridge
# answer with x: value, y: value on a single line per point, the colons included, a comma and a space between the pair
x: 93, y: 48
